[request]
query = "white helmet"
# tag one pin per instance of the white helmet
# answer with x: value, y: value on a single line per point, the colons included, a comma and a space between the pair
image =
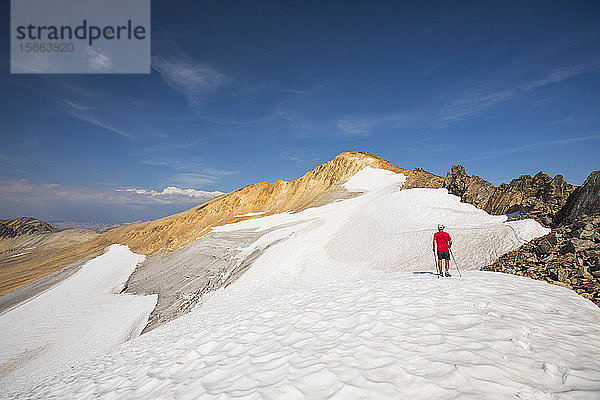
x: 441, y: 227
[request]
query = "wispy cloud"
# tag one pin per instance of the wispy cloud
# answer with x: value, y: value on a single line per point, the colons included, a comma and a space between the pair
x: 77, y: 106
x: 363, y: 125
x: 196, y: 81
x: 83, y: 113
x: 535, y: 146
x: 101, y: 124
x: 36, y: 62
x: 185, y: 171
x: 482, y: 96
x: 206, y: 177
x: 471, y: 99
x: 299, y: 157
x: 98, y: 60
x: 173, y: 193
x: 20, y: 190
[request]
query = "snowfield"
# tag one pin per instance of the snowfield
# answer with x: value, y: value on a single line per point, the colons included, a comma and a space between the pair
x: 79, y: 319
x: 342, y: 303
x: 387, y: 335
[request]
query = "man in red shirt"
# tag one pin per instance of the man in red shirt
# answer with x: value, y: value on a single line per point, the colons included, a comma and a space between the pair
x: 444, y: 242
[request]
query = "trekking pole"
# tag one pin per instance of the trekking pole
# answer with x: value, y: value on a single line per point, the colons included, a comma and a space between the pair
x: 455, y: 263
x: 435, y: 262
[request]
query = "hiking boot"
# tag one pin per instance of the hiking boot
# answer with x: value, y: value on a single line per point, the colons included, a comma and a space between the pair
x: 448, y: 274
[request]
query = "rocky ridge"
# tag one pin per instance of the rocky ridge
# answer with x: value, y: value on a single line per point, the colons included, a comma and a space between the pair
x: 539, y: 197
x: 174, y: 231
x: 585, y: 200
x: 419, y: 178
x: 570, y: 255
x: 10, y: 228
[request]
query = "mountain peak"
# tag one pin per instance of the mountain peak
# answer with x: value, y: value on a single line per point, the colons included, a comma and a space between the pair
x: 364, y: 158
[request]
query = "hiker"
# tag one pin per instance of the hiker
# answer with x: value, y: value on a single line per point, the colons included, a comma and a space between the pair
x: 444, y: 242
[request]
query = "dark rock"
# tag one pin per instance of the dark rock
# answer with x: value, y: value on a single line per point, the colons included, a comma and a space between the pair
x: 540, y: 197
x: 543, y: 248
x: 569, y: 258
x: 552, y: 239
x: 471, y: 189
x: 563, y: 274
x: 419, y: 178
x: 567, y: 247
x: 582, y: 202
x: 457, y: 180
x: 24, y: 226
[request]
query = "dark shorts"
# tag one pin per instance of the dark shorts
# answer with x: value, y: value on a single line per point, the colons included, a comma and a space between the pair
x: 443, y: 255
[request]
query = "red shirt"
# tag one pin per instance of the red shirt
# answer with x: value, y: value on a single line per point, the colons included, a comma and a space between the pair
x: 441, y: 239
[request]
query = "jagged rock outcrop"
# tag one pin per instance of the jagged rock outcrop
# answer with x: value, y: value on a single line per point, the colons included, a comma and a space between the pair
x: 10, y: 228
x: 585, y: 200
x: 569, y: 256
x: 471, y: 189
x: 539, y: 197
x: 419, y: 178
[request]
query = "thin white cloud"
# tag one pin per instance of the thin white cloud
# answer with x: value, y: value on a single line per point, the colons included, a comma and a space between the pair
x: 36, y: 62
x: 98, y: 123
x: 76, y: 105
x: 534, y: 146
x: 198, y: 179
x: 22, y: 190
x: 485, y: 95
x: 98, y: 60
x: 356, y: 126
x: 195, y: 81
x: 82, y: 112
x: 363, y: 125
x: 174, y: 193
x: 183, y: 171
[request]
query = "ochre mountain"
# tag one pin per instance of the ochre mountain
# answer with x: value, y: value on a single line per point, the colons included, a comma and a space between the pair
x: 539, y: 197
x: 177, y: 230
x: 268, y: 198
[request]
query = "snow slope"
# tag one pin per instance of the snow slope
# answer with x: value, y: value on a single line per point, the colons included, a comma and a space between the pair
x: 340, y: 304
x: 384, y: 336
x: 75, y: 321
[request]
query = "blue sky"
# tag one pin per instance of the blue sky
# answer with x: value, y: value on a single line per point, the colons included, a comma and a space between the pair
x: 251, y: 91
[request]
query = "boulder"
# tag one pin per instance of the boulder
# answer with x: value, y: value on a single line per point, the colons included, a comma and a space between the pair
x: 543, y: 248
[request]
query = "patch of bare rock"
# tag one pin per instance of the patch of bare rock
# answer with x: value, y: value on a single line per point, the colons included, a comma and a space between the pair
x: 570, y: 255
